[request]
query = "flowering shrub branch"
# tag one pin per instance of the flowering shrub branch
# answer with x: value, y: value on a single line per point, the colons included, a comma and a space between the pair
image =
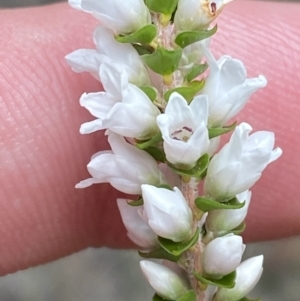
x: 166, y: 103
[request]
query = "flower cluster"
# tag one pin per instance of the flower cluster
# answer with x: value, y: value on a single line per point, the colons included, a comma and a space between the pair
x: 164, y: 116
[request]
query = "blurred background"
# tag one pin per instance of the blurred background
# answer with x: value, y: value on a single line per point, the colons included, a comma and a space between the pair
x: 113, y: 275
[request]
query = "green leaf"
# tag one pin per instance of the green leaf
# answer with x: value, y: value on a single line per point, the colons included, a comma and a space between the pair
x: 239, y: 229
x: 166, y: 7
x: 163, y: 61
x: 189, y: 37
x: 149, y: 91
x: 188, y: 296
x: 197, y: 171
x: 160, y: 254
x: 137, y: 203
x: 177, y: 248
x: 196, y: 71
x: 153, y: 141
x: 157, y: 298
x: 156, y: 153
x: 141, y: 50
x: 165, y: 186
x: 215, y: 132
x: 207, y: 204
x: 247, y: 299
x: 227, y: 281
x: 187, y: 92
x: 144, y: 35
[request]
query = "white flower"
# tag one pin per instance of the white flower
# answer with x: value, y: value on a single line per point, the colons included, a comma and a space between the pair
x: 125, y: 167
x: 167, y: 213
x: 138, y: 231
x: 223, y: 255
x: 134, y: 117
x: 109, y: 51
x: 120, y: 16
x: 239, y: 164
x: 197, y: 14
x: 164, y: 281
x: 224, y: 220
x: 248, y: 274
x: 116, y: 108
x: 184, y: 129
x: 228, y: 88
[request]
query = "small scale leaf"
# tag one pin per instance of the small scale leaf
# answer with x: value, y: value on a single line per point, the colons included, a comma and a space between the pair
x: 144, y: 35
x: 227, y: 281
x: 153, y: 141
x: 163, y: 61
x: 165, y: 186
x: 177, y: 248
x: 189, y: 37
x: 239, y: 229
x: 141, y: 50
x: 187, y: 92
x: 197, y: 171
x: 247, y: 299
x: 215, y: 132
x: 196, y: 71
x: 166, y: 7
x: 156, y: 153
x: 188, y: 296
x: 137, y: 203
x: 206, y: 204
x: 149, y: 91
x: 157, y: 298
x: 160, y: 254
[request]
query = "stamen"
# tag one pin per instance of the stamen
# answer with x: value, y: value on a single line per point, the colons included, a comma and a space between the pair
x: 213, y: 7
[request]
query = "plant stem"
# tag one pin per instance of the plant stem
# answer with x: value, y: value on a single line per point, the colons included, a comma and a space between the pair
x: 192, y: 258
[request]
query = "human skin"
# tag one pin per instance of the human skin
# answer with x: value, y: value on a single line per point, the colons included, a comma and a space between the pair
x: 43, y: 156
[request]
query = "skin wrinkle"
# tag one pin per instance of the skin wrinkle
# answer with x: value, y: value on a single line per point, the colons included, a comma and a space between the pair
x: 43, y: 156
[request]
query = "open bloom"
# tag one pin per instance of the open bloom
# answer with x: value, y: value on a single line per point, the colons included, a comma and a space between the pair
x: 167, y: 213
x: 197, y: 14
x: 138, y: 231
x: 248, y: 274
x: 239, y: 164
x: 224, y: 220
x: 125, y: 167
x: 228, y: 88
x: 223, y: 255
x: 164, y: 281
x: 116, y: 108
x: 108, y: 50
x: 184, y: 129
x: 118, y: 15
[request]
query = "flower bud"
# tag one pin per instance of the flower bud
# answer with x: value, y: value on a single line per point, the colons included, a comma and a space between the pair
x: 197, y: 14
x: 224, y: 220
x: 167, y: 213
x: 223, y: 255
x: 248, y: 274
x: 164, y: 281
x: 138, y: 231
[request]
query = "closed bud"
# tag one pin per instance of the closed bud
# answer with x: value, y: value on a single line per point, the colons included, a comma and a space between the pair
x: 247, y: 275
x: 223, y: 255
x: 138, y: 231
x: 224, y: 220
x: 164, y: 281
x: 167, y: 213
